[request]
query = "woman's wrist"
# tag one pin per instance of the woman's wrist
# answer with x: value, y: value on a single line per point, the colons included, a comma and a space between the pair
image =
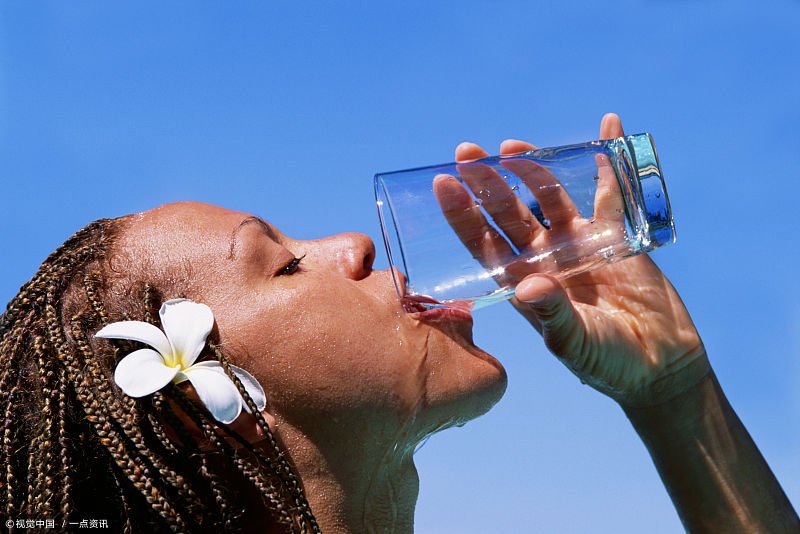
x: 674, y: 387
x: 676, y: 412
x: 712, y: 469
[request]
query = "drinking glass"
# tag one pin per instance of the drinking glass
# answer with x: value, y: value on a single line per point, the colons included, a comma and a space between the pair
x: 463, y: 234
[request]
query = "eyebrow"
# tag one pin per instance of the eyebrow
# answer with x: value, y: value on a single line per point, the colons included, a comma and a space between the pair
x: 261, y: 223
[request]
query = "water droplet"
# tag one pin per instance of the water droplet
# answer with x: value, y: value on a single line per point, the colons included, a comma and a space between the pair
x: 607, y: 252
x: 515, y: 188
x: 658, y: 195
x: 505, y: 177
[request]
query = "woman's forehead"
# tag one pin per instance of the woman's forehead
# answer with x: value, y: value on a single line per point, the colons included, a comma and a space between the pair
x: 202, y: 217
x: 198, y: 212
x: 191, y: 224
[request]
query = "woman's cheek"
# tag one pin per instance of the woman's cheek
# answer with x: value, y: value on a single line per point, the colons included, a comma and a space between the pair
x: 320, y: 352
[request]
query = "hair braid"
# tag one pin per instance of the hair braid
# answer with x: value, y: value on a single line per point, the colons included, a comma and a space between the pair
x: 94, y: 409
x: 43, y: 453
x: 90, y: 283
x: 65, y: 462
x: 56, y: 393
x: 135, y: 466
x: 129, y: 424
x: 160, y: 410
x: 285, y: 472
x: 127, y: 508
x: 148, y: 295
x: 8, y: 449
x: 34, y: 495
x: 220, y: 494
x: 251, y: 473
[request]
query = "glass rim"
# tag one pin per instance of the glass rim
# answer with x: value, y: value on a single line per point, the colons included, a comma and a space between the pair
x: 383, y: 203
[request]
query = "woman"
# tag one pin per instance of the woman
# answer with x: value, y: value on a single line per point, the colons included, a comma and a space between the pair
x: 353, y: 381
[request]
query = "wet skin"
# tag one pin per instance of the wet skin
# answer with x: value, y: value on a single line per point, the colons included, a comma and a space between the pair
x: 623, y: 328
x: 353, y: 381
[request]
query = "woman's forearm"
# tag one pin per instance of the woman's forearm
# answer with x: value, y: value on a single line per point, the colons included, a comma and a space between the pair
x: 716, y: 476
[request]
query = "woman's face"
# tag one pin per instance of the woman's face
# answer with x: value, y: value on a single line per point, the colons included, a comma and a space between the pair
x: 327, y: 337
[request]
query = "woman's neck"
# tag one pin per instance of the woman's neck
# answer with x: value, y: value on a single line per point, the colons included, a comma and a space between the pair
x: 355, y: 487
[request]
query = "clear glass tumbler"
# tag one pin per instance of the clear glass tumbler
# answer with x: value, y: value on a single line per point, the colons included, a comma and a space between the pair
x: 463, y: 234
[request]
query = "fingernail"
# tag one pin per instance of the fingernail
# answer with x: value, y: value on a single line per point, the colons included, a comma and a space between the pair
x: 539, y: 299
x: 538, y: 286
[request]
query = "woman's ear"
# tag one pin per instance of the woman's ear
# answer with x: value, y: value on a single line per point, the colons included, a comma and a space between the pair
x: 246, y: 425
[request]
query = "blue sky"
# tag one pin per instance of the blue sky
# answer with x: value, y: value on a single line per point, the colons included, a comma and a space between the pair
x: 108, y: 109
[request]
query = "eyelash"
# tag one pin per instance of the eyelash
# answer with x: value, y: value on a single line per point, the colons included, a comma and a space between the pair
x: 292, y: 267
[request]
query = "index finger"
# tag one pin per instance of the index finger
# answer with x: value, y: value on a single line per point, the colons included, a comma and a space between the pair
x: 465, y: 217
x: 505, y: 208
x: 608, y: 202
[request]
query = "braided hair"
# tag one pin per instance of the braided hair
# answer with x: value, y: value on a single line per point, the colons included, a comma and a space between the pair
x: 73, y: 446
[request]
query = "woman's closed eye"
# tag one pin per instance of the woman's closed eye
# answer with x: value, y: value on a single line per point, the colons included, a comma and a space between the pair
x: 292, y: 267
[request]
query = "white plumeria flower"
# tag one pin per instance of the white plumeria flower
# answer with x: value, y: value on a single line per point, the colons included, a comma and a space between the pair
x: 186, y: 327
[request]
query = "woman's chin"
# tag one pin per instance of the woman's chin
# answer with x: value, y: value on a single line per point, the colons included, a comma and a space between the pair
x: 460, y: 411
x: 468, y: 387
x: 490, y: 386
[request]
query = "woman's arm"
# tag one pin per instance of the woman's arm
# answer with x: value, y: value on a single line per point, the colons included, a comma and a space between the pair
x: 713, y: 471
x: 624, y: 330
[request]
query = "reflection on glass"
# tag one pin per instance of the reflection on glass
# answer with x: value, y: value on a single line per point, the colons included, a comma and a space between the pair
x: 466, y: 233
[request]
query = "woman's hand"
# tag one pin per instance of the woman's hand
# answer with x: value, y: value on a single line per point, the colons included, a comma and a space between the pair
x: 624, y: 330
x: 621, y: 328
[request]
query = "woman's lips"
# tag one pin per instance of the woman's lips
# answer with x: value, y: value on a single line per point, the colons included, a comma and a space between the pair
x: 430, y: 310
x: 444, y: 314
x: 427, y: 309
x: 417, y: 303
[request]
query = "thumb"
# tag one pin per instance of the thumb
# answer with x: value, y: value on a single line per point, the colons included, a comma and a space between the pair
x: 561, y: 325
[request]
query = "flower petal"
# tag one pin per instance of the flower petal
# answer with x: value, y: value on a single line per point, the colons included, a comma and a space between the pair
x: 216, y: 391
x: 180, y: 377
x: 143, y: 372
x: 249, y: 382
x: 252, y: 387
x: 187, y: 325
x: 137, y: 331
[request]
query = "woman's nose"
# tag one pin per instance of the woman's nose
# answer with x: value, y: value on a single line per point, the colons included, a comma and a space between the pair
x: 352, y: 254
